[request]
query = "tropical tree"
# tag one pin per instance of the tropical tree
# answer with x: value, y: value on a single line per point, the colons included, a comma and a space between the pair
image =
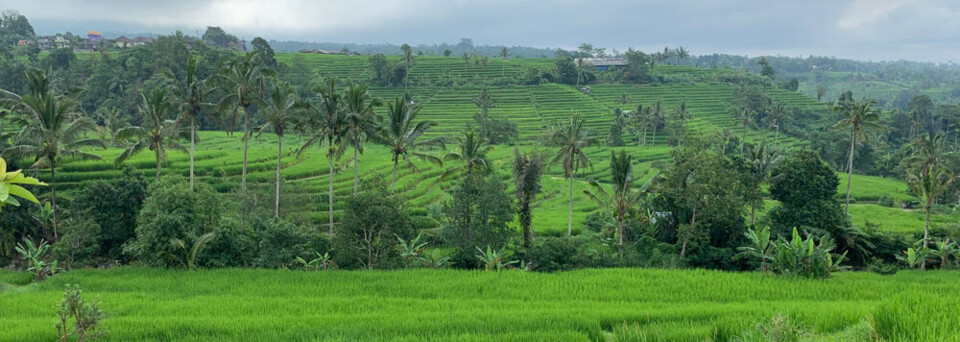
x: 744, y: 119
x: 642, y: 120
x: 402, y: 135
x: 681, y: 53
x: 485, y: 103
x: 327, y: 124
x: 571, y: 140
x: 763, y: 160
x: 682, y: 115
x: 930, y: 185
x: 190, y: 92
x: 159, y: 131
x: 621, y: 199
x: 279, y: 109
x: 52, y: 130
x: 472, y: 151
x: 113, y: 121
x: 860, y: 117
x: 527, y: 169
x: 242, y: 79
x: 504, y: 53
x: 657, y: 113
x: 776, y: 118
x: 360, y: 123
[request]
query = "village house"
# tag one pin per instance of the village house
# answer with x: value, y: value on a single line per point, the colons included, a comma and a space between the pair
x: 603, y: 64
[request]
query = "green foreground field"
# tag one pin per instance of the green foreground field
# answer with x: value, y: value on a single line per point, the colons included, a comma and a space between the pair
x: 610, y: 304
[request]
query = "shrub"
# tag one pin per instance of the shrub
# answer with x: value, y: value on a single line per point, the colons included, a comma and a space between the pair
x: 477, y: 217
x: 281, y: 242
x: 805, y: 257
x: 886, y: 201
x: 84, y: 317
x: 79, y: 242
x: 550, y: 254
x: 173, y: 211
x: 368, y: 235
x: 114, y: 207
x: 235, y: 245
x: 36, y: 257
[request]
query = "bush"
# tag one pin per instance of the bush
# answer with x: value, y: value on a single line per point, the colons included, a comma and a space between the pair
x: 79, y: 242
x: 235, y: 245
x: 114, y: 207
x: 477, y: 217
x: 885, y: 201
x: 280, y: 242
x: 173, y: 211
x: 550, y: 254
x: 85, y: 317
x: 367, y: 236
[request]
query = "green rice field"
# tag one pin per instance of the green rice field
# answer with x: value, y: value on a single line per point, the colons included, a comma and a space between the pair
x: 416, y: 305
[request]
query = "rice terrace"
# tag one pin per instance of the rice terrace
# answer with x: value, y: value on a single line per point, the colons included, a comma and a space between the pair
x: 262, y: 171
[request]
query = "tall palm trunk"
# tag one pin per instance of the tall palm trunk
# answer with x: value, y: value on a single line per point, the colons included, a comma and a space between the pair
x: 356, y: 177
x: 776, y: 137
x: 330, y: 192
x: 570, y: 212
x: 525, y: 221
x: 620, y: 214
x: 693, y: 223
x: 53, y: 195
x: 393, y: 184
x: 193, y: 135
x: 653, y: 139
x: 243, y: 174
x: 853, y: 143
x: 157, y: 154
x: 743, y: 139
x: 276, y: 204
x: 644, y: 136
x: 926, y: 227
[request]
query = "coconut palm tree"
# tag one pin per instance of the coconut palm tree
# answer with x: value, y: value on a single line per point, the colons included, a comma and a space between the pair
x: 860, y: 117
x: 763, y: 159
x: 682, y: 115
x: 504, y: 53
x: 113, y: 122
x: 621, y: 198
x: 641, y: 119
x: 51, y: 130
x: 472, y: 150
x: 776, y: 118
x: 930, y: 184
x: 242, y: 79
x: 485, y: 103
x: 278, y: 110
x: 744, y: 119
x: 190, y: 92
x: 159, y: 131
x: 572, y: 139
x: 402, y: 135
x: 657, y: 112
x: 326, y: 121
x: 681, y: 53
x: 360, y: 122
x: 527, y: 169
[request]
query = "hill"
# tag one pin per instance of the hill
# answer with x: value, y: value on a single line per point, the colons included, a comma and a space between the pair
x: 534, y: 108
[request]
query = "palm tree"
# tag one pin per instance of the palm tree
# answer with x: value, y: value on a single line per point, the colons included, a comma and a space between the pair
x: 860, y: 117
x: 927, y: 153
x: 641, y: 119
x: 930, y: 184
x: 621, y: 199
x: 763, y: 160
x: 327, y: 124
x: 682, y: 53
x: 51, y: 131
x: 190, y: 92
x: 158, y: 132
x: 485, y: 103
x: 775, y: 118
x: 360, y: 122
x: 527, y: 169
x: 402, y: 134
x: 572, y: 139
x: 113, y: 122
x: 682, y: 116
x: 744, y: 119
x: 278, y: 110
x: 472, y: 151
x: 657, y: 112
x: 504, y: 53
x: 242, y: 79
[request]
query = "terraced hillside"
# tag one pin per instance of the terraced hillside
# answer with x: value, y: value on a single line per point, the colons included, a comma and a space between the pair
x: 532, y: 108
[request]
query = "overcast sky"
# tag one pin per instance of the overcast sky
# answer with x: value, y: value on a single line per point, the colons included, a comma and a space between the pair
x: 923, y: 30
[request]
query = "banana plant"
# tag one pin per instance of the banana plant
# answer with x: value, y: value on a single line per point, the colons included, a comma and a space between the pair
x: 321, y: 262
x: 190, y: 256
x: 945, y: 249
x: 34, y: 254
x: 11, y: 186
x: 494, y: 260
x: 412, y: 250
